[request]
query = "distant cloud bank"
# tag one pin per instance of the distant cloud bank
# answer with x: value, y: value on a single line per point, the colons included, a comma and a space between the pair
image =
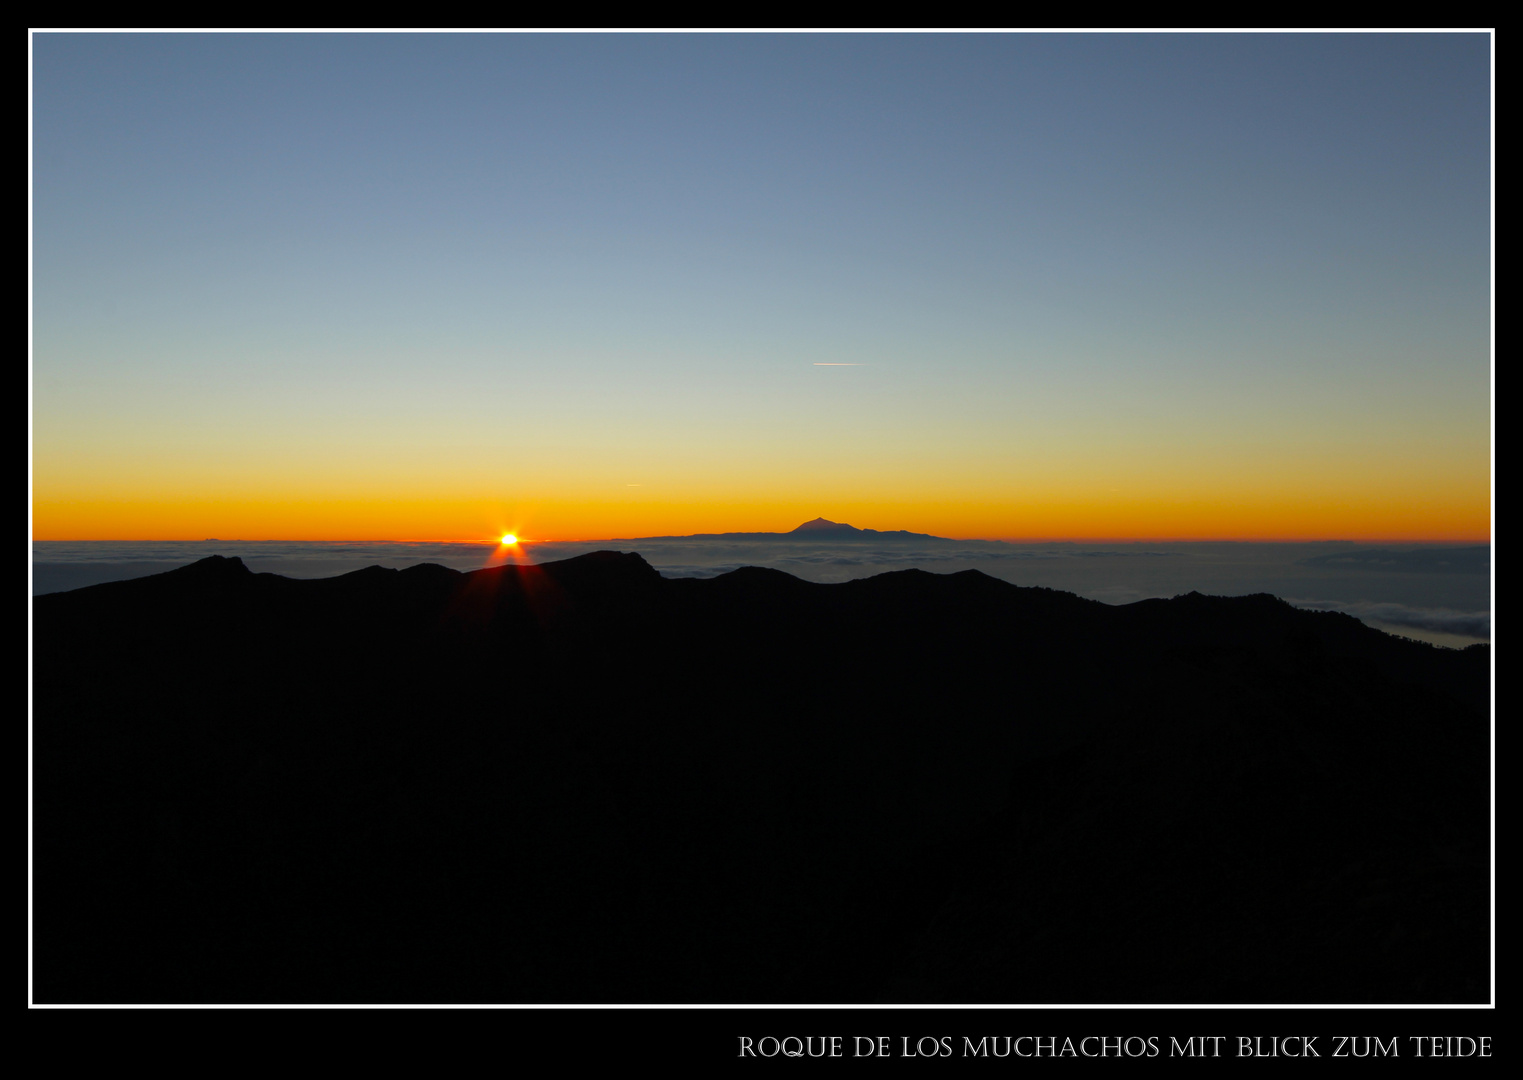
x: 1476, y: 624
x: 1453, y: 560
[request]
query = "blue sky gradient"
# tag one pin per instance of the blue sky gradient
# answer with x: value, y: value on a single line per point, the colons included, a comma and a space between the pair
x: 292, y: 265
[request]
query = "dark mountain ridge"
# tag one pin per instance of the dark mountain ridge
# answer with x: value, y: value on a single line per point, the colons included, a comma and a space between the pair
x: 580, y: 781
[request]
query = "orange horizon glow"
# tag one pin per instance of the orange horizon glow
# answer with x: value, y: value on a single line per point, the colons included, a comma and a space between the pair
x: 1183, y: 521
x: 954, y: 473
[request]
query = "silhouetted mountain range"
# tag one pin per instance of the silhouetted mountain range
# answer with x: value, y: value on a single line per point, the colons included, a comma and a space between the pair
x: 580, y: 782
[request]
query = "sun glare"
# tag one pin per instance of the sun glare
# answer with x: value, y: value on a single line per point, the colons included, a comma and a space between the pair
x: 508, y: 539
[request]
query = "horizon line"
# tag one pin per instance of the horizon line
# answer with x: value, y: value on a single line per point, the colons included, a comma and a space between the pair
x: 522, y: 542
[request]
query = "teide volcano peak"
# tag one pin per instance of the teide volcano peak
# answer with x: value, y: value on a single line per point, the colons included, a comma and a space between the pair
x: 579, y: 781
x: 819, y: 526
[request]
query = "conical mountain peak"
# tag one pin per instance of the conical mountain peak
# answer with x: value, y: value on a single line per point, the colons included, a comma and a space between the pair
x: 820, y: 524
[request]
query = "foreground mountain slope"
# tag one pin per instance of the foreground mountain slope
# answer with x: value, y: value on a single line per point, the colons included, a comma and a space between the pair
x: 582, y: 782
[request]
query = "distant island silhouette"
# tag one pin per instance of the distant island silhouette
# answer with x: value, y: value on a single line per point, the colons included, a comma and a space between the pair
x: 581, y: 782
x: 818, y: 529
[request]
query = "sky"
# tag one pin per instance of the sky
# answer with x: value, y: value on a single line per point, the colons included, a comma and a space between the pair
x: 1014, y: 286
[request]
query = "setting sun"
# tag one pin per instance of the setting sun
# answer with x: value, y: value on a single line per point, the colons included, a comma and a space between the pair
x: 509, y: 539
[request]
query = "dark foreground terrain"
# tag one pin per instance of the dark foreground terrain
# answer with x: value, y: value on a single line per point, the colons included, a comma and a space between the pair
x: 583, y: 783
